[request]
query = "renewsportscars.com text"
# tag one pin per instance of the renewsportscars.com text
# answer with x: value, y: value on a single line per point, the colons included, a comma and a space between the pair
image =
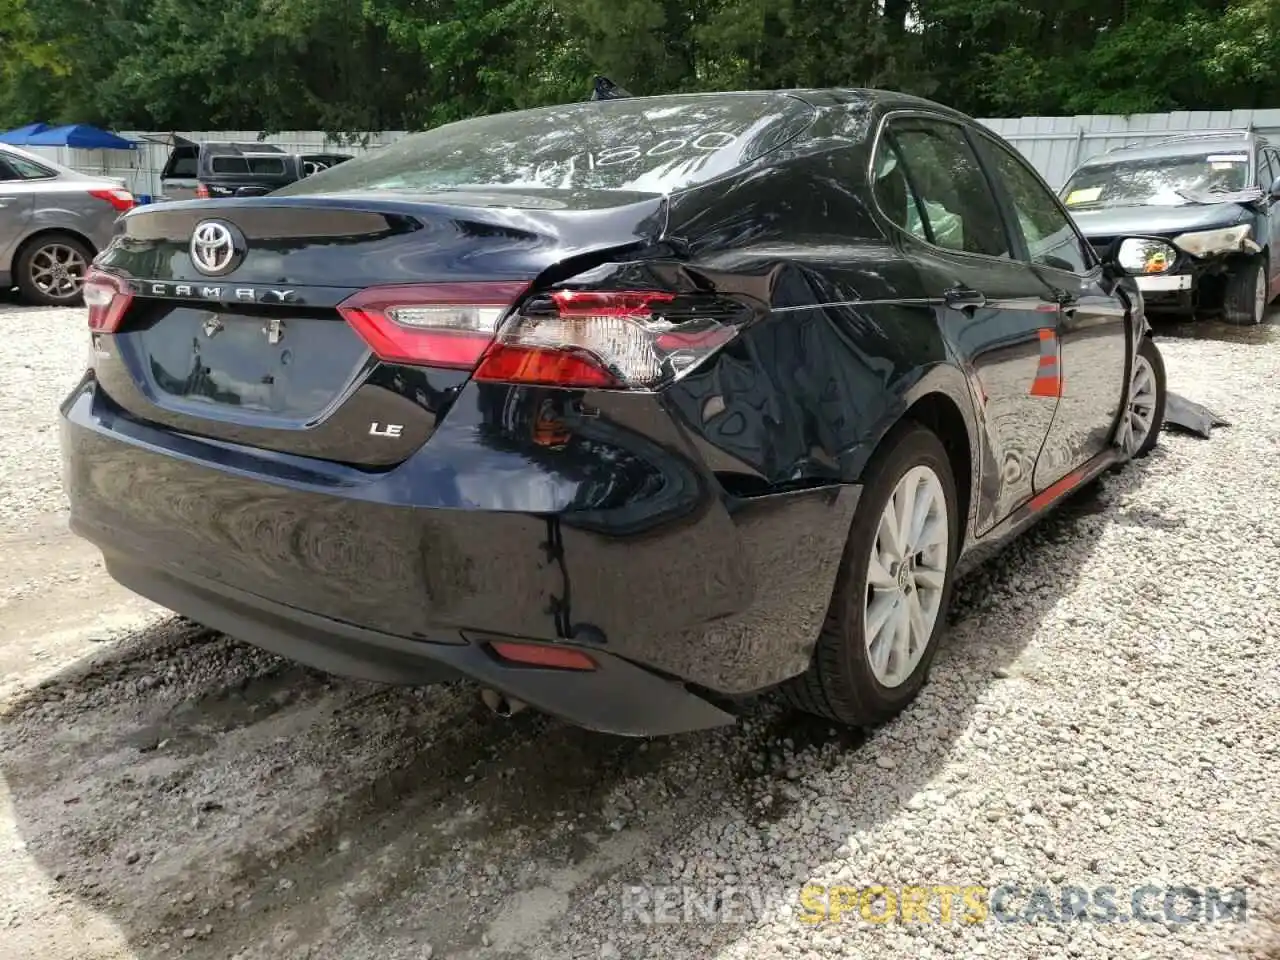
x: 937, y: 904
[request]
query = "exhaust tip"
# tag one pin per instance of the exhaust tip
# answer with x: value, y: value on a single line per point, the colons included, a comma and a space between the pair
x: 500, y: 704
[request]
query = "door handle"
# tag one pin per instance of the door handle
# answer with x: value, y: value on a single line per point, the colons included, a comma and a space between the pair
x: 1066, y: 302
x: 964, y: 298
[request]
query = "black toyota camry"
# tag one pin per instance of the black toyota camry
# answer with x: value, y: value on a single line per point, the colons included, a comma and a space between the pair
x: 625, y: 410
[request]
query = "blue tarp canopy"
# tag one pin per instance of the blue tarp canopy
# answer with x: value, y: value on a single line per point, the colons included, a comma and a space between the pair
x: 21, y: 135
x: 79, y: 136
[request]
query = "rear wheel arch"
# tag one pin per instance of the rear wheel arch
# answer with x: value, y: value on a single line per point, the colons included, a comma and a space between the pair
x: 842, y: 681
x: 940, y: 413
x: 941, y: 401
x: 43, y: 234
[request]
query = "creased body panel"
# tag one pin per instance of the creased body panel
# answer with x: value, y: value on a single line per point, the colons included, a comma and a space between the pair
x: 615, y: 537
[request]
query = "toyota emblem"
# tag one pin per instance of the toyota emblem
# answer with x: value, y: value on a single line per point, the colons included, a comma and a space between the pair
x: 213, y: 247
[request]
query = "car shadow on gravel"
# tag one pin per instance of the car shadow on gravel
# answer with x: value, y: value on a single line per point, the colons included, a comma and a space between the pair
x: 1213, y: 328
x: 208, y: 798
x: 9, y: 302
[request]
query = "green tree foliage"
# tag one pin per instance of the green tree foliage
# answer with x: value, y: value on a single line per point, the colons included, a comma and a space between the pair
x: 352, y: 65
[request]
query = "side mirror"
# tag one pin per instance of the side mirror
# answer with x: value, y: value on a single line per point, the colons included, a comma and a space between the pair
x: 1274, y: 192
x: 1143, y: 256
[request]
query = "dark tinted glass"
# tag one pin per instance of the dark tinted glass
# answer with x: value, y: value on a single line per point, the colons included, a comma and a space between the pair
x: 265, y: 165
x: 7, y: 173
x: 959, y: 211
x: 655, y: 145
x: 1050, y: 238
x: 893, y: 192
x: 182, y: 163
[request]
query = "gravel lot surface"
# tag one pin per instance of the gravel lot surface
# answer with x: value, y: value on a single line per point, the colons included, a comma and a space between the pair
x: 1103, y: 713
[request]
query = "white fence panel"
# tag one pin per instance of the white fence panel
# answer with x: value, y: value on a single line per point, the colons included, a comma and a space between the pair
x: 140, y: 168
x: 137, y: 168
x: 1055, y: 145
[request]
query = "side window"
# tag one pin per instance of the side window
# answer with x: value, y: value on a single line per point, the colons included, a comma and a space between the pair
x: 7, y: 172
x: 25, y: 169
x: 893, y: 192
x: 1269, y: 169
x: 952, y: 197
x: 269, y: 166
x: 1051, y: 239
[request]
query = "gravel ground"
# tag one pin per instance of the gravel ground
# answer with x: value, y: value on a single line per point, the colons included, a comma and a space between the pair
x: 1103, y: 714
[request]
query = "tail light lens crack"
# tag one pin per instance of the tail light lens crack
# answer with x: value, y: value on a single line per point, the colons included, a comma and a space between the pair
x: 600, y: 339
x: 107, y: 298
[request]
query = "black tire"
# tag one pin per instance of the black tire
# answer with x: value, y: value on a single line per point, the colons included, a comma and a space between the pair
x: 1148, y: 351
x: 1240, y: 303
x: 839, y: 683
x: 22, y: 272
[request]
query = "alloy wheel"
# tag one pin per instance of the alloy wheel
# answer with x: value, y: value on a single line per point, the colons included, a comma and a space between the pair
x: 1140, y: 417
x: 1260, y: 296
x: 906, y: 573
x: 58, y: 270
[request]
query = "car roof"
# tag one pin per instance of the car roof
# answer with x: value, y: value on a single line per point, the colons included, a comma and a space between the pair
x: 1181, y: 145
x: 886, y: 99
x: 233, y: 147
x: 818, y: 97
x: 59, y: 169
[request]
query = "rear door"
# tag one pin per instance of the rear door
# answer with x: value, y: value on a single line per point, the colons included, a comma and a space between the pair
x: 996, y: 310
x: 15, y: 213
x: 1092, y: 338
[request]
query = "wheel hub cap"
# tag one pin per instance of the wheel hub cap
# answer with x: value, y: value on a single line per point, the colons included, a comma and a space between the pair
x: 58, y: 270
x: 904, y: 577
x: 906, y: 573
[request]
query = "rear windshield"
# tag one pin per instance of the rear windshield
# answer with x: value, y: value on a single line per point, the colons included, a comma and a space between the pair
x: 182, y: 163
x: 1162, y: 181
x: 265, y: 165
x: 653, y: 145
x: 23, y: 168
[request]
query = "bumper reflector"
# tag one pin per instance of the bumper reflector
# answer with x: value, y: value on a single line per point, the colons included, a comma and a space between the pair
x: 542, y: 655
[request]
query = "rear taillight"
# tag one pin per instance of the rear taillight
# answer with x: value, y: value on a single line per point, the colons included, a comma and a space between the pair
x: 121, y: 199
x: 431, y: 324
x: 107, y: 299
x: 613, y: 339
x: 202, y: 192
